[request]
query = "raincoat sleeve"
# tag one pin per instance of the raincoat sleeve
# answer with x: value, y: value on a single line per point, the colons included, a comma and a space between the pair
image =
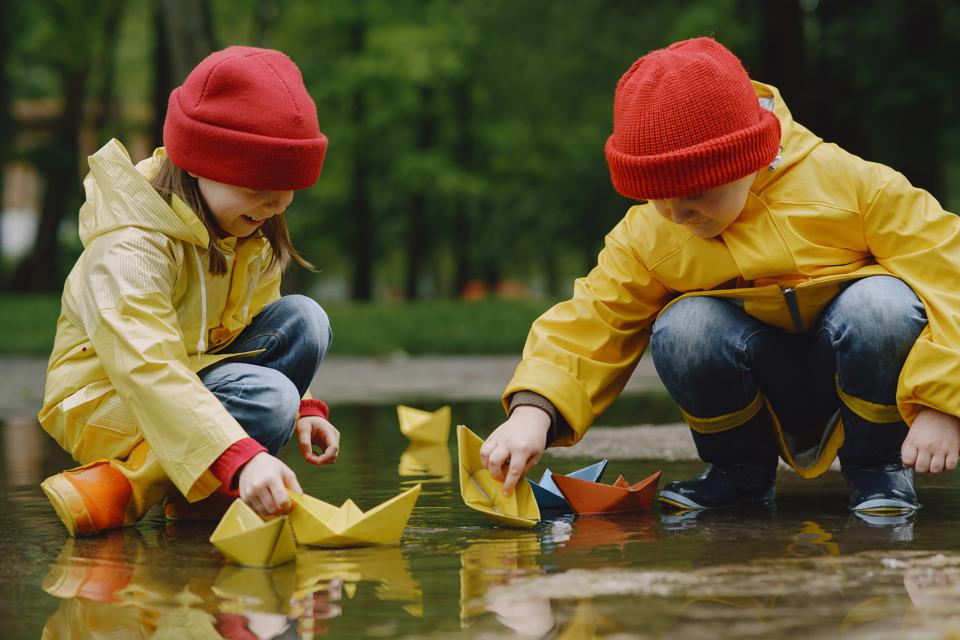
x: 580, y: 353
x: 127, y: 312
x: 910, y: 234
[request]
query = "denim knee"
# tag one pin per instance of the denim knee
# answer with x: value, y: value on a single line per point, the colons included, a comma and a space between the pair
x: 280, y: 412
x: 871, y: 326
x: 308, y: 322
x: 697, y: 347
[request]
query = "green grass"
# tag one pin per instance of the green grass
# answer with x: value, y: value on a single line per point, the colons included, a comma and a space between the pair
x: 28, y: 323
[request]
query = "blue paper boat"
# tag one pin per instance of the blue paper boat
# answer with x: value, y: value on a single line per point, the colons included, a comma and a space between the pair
x: 548, y: 496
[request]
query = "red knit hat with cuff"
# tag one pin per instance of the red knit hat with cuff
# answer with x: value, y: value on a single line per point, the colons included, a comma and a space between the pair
x: 243, y: 117
x: 686, y: 120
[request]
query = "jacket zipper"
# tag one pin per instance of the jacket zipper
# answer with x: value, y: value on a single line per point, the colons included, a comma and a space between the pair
x: 790, y: 297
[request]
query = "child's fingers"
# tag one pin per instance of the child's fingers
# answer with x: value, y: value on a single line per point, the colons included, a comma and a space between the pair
x: 495, y: 462
x: 330, y: 438
x: 923, y: 461
x: 951, y: 462
x: 253, y: 501
x: 517, y: 466
x: 290, y: 481
x: 305, y: 441
x: 937, y: 462
x: 908, y: 454
x: 486, y: 449
x: 279, y: 499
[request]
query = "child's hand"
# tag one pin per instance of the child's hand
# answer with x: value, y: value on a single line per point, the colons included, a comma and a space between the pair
x: 263, y: 485
x: 521, y: 440
x: 933, y: 442
x: 314, y: 430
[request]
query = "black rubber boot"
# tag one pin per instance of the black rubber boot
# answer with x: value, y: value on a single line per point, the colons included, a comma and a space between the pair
x: 743, y: 467
x: 881, y: 490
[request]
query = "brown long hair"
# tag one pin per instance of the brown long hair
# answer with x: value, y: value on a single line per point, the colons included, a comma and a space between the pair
x: 171, y: 180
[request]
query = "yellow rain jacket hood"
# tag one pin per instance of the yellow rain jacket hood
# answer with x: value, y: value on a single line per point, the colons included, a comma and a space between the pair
x: 139, y: 313
x: 818, y: 217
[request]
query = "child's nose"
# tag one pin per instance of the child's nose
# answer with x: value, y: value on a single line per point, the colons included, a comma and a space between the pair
x: 281, y: 200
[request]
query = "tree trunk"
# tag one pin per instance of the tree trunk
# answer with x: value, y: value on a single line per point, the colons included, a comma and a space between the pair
x: 362, y: 244
x: 418, y: 228
x: 107, y: 111
x: 162, y: 73
x: 6, y: 120
x: 183, y: 36
x: 782, y: 54
x: 266, y: 14
x: 60, y: 170
x: 463, y: 155
x: 916, y: 127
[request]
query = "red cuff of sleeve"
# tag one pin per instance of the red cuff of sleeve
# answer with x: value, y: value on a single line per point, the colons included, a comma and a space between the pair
x: 314, y: 407
x: 231, y: 460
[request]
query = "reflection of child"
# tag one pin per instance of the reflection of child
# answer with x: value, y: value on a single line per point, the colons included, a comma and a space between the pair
x: 176, y: 361
x: 798, y: 300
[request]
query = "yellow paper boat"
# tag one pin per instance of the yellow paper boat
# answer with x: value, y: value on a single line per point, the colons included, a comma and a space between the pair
x: 245, y: 538
x: 428, y: 427
x: 320, y: 524
x: 483, y: 493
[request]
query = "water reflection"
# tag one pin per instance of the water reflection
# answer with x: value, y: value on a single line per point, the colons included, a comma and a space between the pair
x: 121, y: 584
x: 806, y: 569
x: 431, y: 460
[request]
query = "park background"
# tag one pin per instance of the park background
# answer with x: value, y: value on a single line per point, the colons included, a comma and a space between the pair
x: 465, y: 185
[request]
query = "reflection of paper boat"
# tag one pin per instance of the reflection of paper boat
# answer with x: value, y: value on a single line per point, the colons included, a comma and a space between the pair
x: 483, y: 493
x: 242, y: 589
x: 495, y: 562
x: 431, y: 427
x: 426, y: 460
x: 320, y: 524
x: 548, y: 496
x: 386, y: 569
x: 243, y: 537
x: 593, y: 497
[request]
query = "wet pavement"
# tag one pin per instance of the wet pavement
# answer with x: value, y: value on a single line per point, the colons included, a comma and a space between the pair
x: 806, y: 569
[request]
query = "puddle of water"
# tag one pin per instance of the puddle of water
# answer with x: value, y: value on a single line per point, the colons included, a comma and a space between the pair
x: 806, y: 569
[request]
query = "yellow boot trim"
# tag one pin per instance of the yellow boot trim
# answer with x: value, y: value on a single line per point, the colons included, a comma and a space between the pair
x: 148, y: 481
x: 827, y: 454
x: 869, y: 411
x: 725, y: 422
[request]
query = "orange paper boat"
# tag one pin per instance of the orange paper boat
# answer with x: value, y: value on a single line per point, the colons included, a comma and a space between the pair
x: 593, y: 497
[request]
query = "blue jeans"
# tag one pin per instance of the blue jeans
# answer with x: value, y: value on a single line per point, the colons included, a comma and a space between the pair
x: 263, y: 391
x: 714, y: 360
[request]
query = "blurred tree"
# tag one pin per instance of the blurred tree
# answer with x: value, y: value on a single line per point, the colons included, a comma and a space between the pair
x: 70, y: 39
x: 8, y: 18
x: 884, y: 81
x: 183, y: 36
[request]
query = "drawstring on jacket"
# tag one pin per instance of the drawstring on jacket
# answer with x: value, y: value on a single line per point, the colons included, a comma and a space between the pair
x: 202, y: 341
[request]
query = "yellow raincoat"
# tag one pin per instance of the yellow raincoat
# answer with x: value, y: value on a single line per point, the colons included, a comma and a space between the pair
x: 139, y: 313
x: 816, y: 219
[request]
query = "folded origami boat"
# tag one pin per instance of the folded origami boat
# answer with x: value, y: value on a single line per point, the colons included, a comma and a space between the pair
x: 482, y: 492
x: 247, y: 539
x: 428, y: 427
x: 548, y: 496
x: 320, y: 524
x: 593, y: 497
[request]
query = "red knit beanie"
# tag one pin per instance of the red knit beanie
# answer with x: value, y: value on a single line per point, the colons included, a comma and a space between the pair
x: 244, y: 117
x: 685, y: 120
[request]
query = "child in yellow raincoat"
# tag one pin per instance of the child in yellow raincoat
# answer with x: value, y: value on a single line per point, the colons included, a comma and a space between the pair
x: 178, y: 369
x: 798, y: 300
